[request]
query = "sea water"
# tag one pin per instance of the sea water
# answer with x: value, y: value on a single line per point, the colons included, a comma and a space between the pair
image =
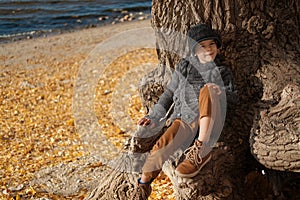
x: 26, y: 18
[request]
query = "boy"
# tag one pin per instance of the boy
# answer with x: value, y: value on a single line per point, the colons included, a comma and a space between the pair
x: 198, y: 90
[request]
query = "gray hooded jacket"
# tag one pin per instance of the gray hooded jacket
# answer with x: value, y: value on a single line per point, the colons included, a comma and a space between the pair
x: 184, y: 88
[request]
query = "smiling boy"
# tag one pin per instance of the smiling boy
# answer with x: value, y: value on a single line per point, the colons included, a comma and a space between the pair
x: 198, y: 90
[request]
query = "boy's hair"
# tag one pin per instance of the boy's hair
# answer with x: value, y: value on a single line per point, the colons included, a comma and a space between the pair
x: 201, y: 32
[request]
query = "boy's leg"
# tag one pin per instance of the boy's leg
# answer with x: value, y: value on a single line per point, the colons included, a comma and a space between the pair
x: 205, y: 109
x: 199, y: 154
x: 176, y: 136
x: 149, y: 174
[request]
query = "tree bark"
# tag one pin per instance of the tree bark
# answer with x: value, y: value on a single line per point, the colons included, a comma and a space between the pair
x: 261, y: 46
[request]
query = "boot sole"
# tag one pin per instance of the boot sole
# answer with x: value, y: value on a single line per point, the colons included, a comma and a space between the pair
x: 195, y: 173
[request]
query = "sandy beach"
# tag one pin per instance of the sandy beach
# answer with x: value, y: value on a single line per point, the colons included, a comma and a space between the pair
x: 37, y: 125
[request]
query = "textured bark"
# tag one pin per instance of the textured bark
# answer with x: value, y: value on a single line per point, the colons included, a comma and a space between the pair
x: 114, y: 185
x: 261, y: 45
x: 213, y: 182
x: 275, y: 137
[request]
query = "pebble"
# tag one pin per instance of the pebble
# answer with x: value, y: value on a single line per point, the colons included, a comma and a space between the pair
x: 103, y: 18
x: 107, y: 92
x: 18, y: 188
x: 130, y: 17
x: 141, y: 18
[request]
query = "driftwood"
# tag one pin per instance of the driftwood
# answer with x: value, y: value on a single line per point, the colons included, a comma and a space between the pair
x: 257, y: 156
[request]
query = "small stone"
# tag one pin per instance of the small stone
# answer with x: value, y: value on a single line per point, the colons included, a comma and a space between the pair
x: 141, y: 18
x: 106, y: 92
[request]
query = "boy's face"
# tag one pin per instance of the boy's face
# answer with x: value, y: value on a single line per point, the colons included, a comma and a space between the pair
x: 206, y: 51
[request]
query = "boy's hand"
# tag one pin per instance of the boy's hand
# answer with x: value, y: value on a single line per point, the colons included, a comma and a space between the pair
x: 145, y: 121
x: 214, y: 88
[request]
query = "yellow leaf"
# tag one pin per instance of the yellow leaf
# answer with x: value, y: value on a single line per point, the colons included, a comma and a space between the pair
x: 30, y: 191
x: 70, y: 122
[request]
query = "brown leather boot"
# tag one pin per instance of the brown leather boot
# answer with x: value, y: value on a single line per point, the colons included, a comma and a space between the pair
x: 193, y: 163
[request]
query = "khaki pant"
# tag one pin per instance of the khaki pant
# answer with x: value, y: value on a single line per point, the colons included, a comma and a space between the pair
x: 178, y: 136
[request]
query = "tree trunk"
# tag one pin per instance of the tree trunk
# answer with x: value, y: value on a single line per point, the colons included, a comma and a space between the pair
x: 261, y: 45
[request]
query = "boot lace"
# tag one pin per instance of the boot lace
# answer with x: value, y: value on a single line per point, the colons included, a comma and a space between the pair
x: 193, y: 154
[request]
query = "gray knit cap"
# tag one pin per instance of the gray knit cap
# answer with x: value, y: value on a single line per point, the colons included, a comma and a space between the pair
x: 201, y: 32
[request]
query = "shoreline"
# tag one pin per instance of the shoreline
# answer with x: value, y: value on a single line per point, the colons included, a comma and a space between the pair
x: 103, y: 21
x: 6, y: 39
x: 78, y: 42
